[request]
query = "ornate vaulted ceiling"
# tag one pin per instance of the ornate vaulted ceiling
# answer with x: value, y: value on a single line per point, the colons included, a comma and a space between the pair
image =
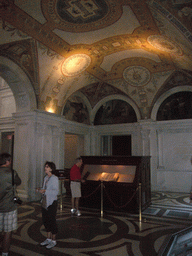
x: 84, y: 51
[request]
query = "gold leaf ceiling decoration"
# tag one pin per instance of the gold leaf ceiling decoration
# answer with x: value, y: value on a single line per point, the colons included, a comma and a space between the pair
x: 133, y: 46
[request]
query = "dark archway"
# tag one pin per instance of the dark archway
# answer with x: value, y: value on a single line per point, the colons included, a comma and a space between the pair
x: 176, y: 106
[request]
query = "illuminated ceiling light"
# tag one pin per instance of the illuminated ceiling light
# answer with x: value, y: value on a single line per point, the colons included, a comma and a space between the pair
x: 50, y: 110
x: 164, y: 44
x: 75, y: 64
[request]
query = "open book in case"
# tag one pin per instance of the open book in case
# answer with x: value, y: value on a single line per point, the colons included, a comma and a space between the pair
x: 115, y: 173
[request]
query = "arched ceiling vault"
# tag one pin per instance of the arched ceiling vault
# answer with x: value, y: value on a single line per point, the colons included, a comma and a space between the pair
x: 134, y: 47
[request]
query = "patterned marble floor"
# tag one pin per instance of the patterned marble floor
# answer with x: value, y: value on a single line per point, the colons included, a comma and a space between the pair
x: 170, y: 205
x: 114, y: 234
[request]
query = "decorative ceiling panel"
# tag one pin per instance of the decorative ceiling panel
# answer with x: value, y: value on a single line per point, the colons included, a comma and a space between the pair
x: 132, y: 46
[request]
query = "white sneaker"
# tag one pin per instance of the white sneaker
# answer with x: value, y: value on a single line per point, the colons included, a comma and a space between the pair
x: 46, y: 242
x: 51, y: 245
x: 73, y: 211
x: 78, y: 213
x: 5, y: 254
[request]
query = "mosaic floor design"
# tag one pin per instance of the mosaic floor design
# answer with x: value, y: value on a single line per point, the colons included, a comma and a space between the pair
x: 90, y: 235
x: 170, y: 205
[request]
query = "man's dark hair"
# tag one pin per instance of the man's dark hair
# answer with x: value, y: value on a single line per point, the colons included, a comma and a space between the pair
x: 78, y: 159
x: 51, y: 165
x: 4, y: 157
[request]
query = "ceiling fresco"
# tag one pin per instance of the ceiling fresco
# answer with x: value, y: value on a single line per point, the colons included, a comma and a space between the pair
x: 115, y: 112
x: 97, y: 49
x: 23, y: 53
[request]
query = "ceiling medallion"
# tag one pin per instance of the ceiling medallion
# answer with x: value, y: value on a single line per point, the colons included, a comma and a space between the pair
x: 164, y: 44
x: 137, y: 75
x: 75, y: 64
x: 81, y: 16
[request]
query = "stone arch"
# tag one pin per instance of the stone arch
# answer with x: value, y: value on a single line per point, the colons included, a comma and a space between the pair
x: 165, y: 96
x: 20, y: 85
x: 115, y: 97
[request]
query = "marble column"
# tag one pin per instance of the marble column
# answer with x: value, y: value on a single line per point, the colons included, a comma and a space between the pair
x: 39, y: 137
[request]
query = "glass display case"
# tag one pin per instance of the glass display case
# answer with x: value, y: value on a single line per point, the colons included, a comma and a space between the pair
x: 121, y: 176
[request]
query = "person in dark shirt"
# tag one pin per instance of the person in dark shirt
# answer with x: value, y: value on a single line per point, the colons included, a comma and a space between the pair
x: 8, y: 208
